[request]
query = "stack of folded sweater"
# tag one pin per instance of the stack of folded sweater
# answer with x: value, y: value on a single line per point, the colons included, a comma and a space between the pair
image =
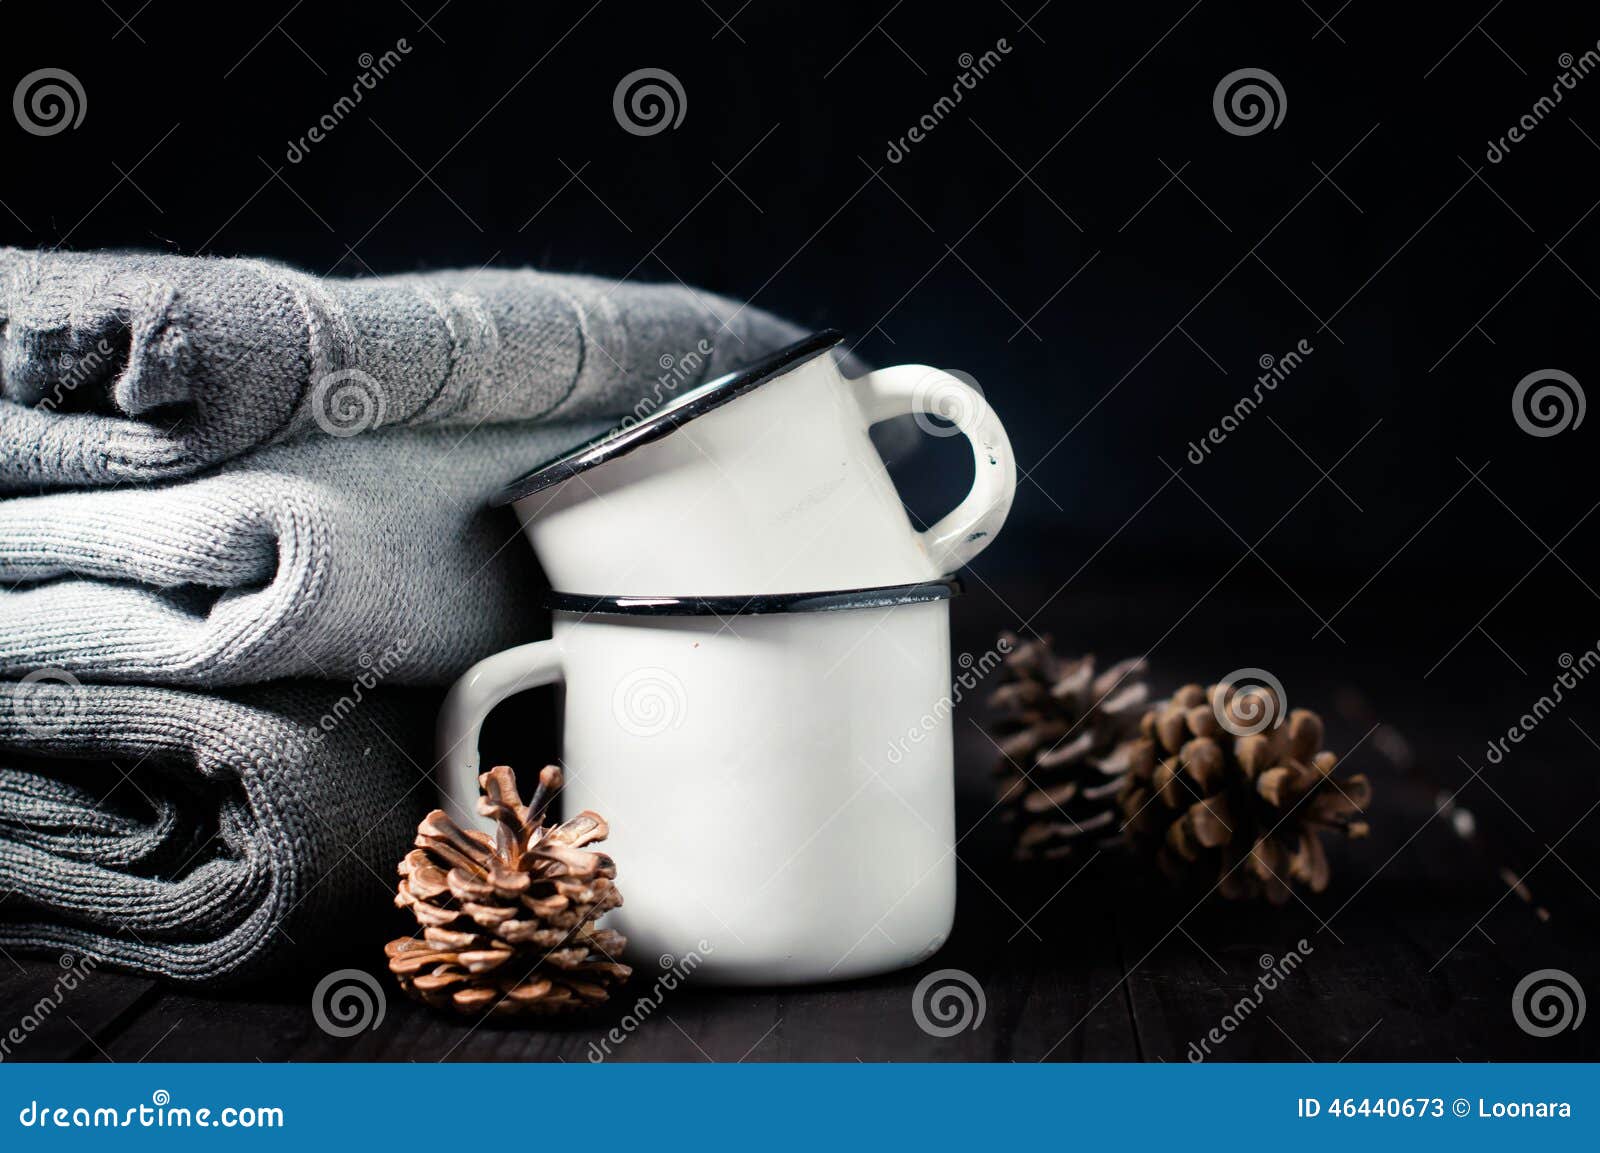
x: 244, y: 531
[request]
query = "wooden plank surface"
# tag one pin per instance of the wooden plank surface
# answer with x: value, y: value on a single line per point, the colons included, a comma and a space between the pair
x: 1414, y: 950
x: 1119, y: 971
x: 48, y: 1013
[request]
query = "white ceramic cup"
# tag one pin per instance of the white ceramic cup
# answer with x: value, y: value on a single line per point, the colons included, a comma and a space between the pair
x: 764, y: 482
x: 779, y: 786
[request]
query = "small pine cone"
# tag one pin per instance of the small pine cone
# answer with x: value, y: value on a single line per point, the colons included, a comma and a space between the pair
x: 1067, y: 736
x: 508, y: 922
x: 1207, y: 799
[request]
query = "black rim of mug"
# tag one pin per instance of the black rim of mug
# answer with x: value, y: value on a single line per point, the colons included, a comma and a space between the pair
x: 760, y: 604
x: 624, y: 438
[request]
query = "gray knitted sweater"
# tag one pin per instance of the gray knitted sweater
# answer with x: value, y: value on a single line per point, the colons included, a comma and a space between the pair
x: 204, y: 838
x: 313, y: 559
x: 130, y: 366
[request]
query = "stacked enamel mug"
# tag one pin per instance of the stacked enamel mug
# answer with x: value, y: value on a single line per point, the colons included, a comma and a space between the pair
x: 754, y: 643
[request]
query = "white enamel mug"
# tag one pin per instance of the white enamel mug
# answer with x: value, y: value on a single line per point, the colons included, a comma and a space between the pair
x: 764, y: 481
x: 779, y: 784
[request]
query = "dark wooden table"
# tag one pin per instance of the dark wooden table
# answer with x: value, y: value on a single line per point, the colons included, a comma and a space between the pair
x: 1413, y: 953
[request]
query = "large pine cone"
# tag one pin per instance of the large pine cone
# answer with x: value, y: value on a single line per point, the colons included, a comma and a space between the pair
x: 508, y: 923
x: 1067, y: 737
x: 1245, y: 813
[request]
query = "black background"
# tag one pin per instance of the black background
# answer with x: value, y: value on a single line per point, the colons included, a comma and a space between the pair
x: 1426, y: 292
x: 1038, y: 239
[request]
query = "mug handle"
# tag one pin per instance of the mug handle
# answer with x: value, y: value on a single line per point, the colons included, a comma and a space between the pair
x: 470, y: 700
x: 916, y: 389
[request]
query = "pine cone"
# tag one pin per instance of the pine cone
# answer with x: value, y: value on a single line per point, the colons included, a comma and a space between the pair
x: 1067, y: 738
x: 1205, y: 798
x: 508, y: 922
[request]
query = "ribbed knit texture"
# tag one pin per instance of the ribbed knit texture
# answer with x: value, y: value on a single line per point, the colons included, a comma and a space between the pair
x: 140, y: 367
x: 238, y: 473
x: 205, y: 839
x: 312, y: 559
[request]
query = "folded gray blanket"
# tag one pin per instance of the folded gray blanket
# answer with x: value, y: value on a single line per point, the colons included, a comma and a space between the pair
x: 322, y: 559
x: 137, y: 367
x: 202, y: 838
